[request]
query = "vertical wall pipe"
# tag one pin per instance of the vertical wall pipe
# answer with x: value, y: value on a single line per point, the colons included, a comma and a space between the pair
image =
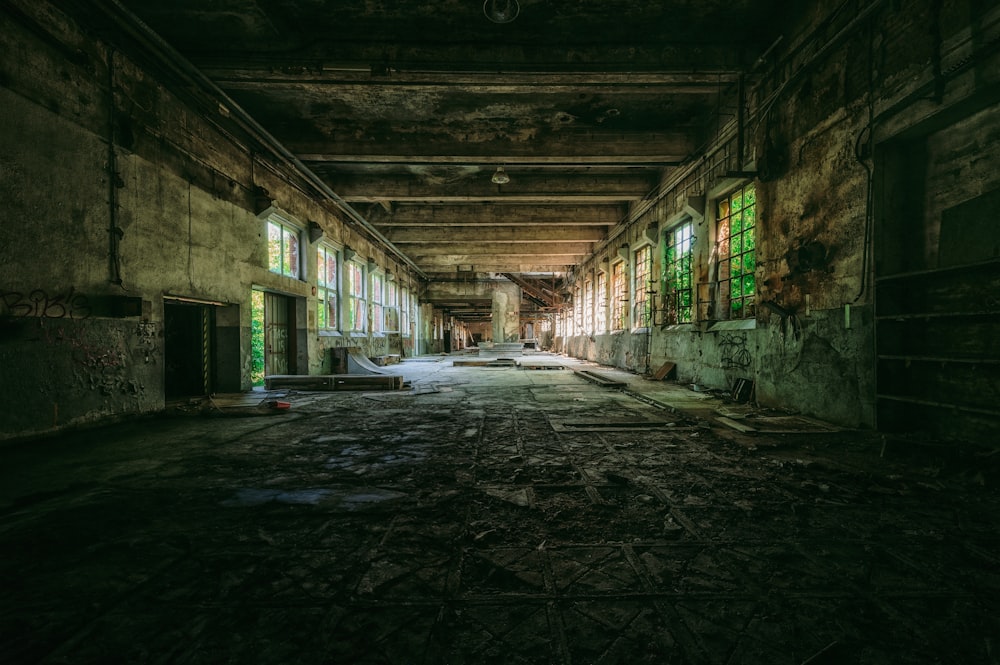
x: 114, y: 231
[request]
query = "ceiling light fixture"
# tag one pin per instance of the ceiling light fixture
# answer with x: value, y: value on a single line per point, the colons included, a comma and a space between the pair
x: 500, y: 177
x: 501, y: 11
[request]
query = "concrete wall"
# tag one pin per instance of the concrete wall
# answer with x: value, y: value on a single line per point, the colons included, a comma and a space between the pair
x: 816, y: 111
x: 120, y: 194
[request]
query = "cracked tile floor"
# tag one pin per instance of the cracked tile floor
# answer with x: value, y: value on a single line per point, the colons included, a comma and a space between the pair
x: 494, y: 515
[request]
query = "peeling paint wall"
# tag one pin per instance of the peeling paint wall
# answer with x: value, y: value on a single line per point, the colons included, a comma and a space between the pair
x: 815, y: 113
x: 121, y: 195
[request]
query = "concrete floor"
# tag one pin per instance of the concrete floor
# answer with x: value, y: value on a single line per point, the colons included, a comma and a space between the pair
x: 494, y: 515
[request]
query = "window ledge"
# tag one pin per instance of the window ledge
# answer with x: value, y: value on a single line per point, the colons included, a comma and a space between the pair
x: 640, y: 331
x: 737, y: 324
x: 330, y: 333
x: 680, y: 328
x: 356, y: 333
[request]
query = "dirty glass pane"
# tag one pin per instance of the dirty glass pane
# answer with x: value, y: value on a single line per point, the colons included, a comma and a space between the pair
x: 723, y: 229
x: 723, y: 209
x: 736, y: 223
x: 273, y: 247
x: 737, y: 201
x: 736, y: 265
x: 736, y: 246
x: 749, y: 195
x: 291, y: 267
x: 331, y: 269
x: 320, y: 314
x: 749, y: 284
x: 724, y: 248
x: 737, y: 289
x: 748, y: 240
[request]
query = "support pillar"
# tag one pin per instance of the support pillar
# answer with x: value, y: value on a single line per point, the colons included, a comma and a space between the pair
x: 506, y: 313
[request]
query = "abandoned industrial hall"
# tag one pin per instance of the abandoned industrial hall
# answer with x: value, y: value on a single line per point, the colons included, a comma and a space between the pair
x: 500, y: 331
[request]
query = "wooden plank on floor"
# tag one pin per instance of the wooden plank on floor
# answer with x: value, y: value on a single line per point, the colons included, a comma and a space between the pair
x: 666, y: 370
x: 599, y: 379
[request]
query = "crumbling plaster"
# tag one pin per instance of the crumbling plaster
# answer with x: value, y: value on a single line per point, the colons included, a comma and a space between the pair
x: 811, y: 141
x: 184, y: 213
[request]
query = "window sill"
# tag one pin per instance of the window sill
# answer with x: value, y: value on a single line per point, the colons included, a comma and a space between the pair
x: 680, y: 328
x: 640, y: 331
x: 330, y: 333
x: 356, y: 333
x: 737, y: 324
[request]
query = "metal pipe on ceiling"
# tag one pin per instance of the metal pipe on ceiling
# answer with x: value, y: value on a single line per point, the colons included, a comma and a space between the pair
x: 171, y: 57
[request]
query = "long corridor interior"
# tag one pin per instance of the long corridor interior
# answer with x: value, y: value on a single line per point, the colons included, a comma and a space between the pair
x: 495, y: 514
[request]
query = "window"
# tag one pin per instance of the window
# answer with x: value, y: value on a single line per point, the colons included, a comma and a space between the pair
x: 588, y: 307
x: 327, y: 287
x: 643, y: 269
x: 356, y: 315
x: 601, y: 315
x: 378, y: 304
x: 404, y: 311
x: 677, y: 273
x: 282, y: 247
x: 578, y: 309
x: 737, y: 221
x: 619, y: 297
x: 391, y: 307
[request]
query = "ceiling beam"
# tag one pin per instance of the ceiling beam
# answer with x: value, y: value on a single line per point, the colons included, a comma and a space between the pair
x: 522, y: 188
x: 408, y: 236
x: 447, y: 269
x: 493, y: 214
x: 497, y: 250
x: 481, y: 144
x: 236, y: 74
x: 394, y: 58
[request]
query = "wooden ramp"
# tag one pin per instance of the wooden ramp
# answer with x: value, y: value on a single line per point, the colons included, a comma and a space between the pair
x: 358, y: 363
x: 333, y: 382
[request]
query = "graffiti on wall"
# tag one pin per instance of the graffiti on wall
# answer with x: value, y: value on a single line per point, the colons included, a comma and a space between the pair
x: 734, y: 350
x: 40, y: 304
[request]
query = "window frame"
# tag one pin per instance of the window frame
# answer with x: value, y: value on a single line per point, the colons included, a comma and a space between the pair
x: 641, y: 287
x: 726, y: 215
x: 619, y: 296
x: 324, y: 288
x: 390, y: 307
x: 601, y: 309
x: 376, y: 298
x: 356, y: 313
x: 678, y: 273
x: 285, y: 229
x: 404, y: 312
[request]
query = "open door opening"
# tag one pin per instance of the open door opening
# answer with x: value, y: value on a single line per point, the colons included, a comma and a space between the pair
x: 274, y: 339
x: 187, y: 347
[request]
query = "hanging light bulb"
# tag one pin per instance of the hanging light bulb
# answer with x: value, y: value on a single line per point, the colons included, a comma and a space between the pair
x: 500, y: 177
x: 501, y: 11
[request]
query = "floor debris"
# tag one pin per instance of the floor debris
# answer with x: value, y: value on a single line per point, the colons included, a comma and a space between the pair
x: 478, y: 524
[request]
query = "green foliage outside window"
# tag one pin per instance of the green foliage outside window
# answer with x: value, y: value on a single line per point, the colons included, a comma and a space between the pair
x: 677, y: 273
x: 737, y: 226
x: 257, y: 337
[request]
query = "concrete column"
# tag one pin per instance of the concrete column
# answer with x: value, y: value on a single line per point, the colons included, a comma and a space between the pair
x: 506, y: 313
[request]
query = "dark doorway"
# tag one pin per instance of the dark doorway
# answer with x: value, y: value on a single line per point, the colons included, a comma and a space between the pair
x: 187, y: 344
